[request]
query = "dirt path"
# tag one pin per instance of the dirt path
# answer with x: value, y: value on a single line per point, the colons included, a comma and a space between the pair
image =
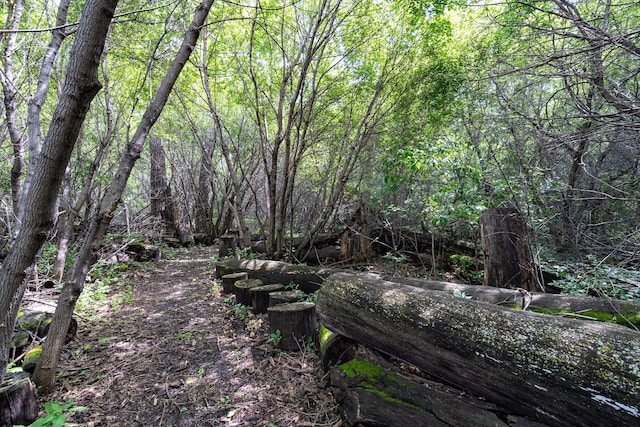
x: 179, y: 354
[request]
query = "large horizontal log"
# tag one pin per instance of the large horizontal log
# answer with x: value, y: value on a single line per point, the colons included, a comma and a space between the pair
x: 308, y: 279
x: 607, y: 309
x: 564, y: 372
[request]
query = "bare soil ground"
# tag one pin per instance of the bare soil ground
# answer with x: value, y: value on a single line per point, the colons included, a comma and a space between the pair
x: 178, y: 353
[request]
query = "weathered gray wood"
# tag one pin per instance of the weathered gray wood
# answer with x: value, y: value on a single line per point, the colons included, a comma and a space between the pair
x: 296, y: 322
x: 260, y: 297
x: 228, y: 281
x: 622, y: 312
x: 308, y: 279
x: 565, y: 372
x: 242, y: 288
x: 18, y: 401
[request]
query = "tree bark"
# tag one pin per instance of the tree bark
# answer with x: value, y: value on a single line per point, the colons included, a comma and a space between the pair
x: 508, y: 262
x: 561, y: 371
x: 44, y: 376
x: 80, y: 87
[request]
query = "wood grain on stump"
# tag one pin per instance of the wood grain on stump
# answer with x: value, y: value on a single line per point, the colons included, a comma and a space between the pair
x: 242, y: 287
x: 228, y: 280
x: 296, y: 322
x: 260, y: 297
x: 18, y: 402
x: 282, y: 297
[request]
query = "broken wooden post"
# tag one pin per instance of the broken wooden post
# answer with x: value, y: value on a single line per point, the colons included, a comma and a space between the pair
x: 260, y: 297
x: 564, y: 372
x: 228, y: 280
x: 296, y: 322
x: 242, y: 287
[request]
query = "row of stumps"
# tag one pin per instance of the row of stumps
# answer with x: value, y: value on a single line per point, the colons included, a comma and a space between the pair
x: 296, y: 320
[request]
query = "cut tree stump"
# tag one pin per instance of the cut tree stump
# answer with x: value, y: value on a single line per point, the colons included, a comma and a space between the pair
x: 282, y: 297
x: 560, y: 371
x: 242, y: 287
x: 260, y: 297
x: 18, y: 401
x: 296, y: 322
x: 229, y: 280
x: 228, y: 245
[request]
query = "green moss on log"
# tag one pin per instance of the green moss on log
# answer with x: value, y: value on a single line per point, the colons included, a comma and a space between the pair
x: 620, y: 319
x: 374, y: 378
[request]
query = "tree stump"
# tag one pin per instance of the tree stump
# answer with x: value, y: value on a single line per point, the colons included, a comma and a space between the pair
x: 18, y: 402
x: 228, y: 245
x: 282, y: 297
x: 260, y: 297
x: 296, y: 322
x: 242, y: 287
x: 229, y: 280
x: 508, y: 262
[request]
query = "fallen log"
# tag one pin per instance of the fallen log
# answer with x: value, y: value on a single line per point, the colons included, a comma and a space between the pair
x: 308, y: 279
x: 603, y: 309
x: 377, y: 395
x: 560, y: 371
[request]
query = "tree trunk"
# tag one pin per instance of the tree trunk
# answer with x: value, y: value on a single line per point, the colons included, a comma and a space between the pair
x: 508, y: 262
x: 561, y: 371
x: 18, y: 401
x: 80, y: 87
x: 44, y: 375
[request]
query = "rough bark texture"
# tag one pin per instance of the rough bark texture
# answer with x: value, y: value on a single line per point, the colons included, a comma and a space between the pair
x: 508, y: 262
x: 379, y: 395
x: 296, y: 322
x: 44, y: 376
x: 564, y: 372
x: 80, y: 86
x: 618, y: 311
x: 260, y: 297
x: 18, y: 401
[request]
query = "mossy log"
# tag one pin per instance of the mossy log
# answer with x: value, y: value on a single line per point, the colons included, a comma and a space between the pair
x: 296, y: 322
x: 229, y: 280
x: 380, y: 396
x: 308, y: 279
x: 260, y: 297
x: 603, y: 309
x: 335, y: 349
x: 242, y: 288
x: 564, y: 372
x: 18, y: 401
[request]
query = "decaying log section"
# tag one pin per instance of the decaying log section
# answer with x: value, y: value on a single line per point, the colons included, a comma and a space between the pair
x: 376, y: 394
x: 18, y: 401
x: 260, y: 297
x: 564, y: 372
x: 618, y: 311
x: 242, y: 288
x: 229, y: 280
x: 308, y: 279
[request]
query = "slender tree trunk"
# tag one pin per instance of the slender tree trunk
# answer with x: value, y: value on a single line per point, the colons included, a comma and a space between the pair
x: 14, y: 14
x: 80, y: 87
x: 44, y: 375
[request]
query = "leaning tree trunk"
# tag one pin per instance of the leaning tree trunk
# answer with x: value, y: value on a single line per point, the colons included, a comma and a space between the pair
x: 508, y: 262
x: 44, y: 376
x: 80, y: 87
x: 564, y: 372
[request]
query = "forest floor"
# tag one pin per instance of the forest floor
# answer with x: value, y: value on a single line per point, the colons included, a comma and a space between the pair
x: 175, y: 352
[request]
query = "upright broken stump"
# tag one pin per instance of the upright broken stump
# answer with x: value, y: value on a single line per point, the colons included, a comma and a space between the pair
x: 260, y: 297
x: 242, y: 288
x: 282, y: 297
x: 18, y: 402
x: 296, y: 322
x: 229, y: 280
